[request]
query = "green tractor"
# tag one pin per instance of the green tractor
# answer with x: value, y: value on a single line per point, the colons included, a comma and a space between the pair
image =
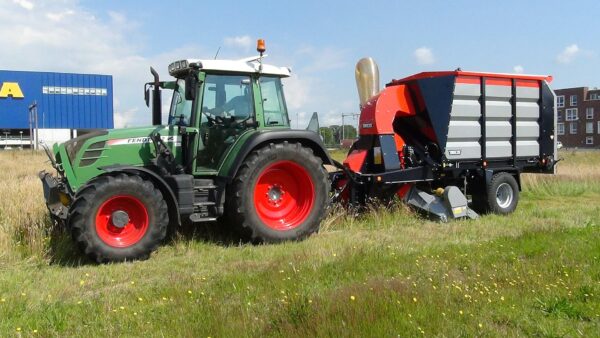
x: 227, y: 151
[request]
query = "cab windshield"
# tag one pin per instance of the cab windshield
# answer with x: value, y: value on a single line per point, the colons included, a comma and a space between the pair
x: 181, y: 109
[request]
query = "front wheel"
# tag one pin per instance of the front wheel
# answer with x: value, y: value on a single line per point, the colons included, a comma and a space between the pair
x: 116, y: 218
x: 279, y: 194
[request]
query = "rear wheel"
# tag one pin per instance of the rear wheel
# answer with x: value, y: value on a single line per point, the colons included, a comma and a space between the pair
x: 116, y: 218
x: 501, y: 196
x: 280, y: 193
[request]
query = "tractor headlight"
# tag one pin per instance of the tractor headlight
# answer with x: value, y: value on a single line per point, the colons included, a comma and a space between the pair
x: 183, y: 66
x: 178, y: 67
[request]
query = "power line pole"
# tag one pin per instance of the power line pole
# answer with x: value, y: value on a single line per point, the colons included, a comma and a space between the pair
x: 353, y: 115
x: 32, y: 116
x: 343, y: 115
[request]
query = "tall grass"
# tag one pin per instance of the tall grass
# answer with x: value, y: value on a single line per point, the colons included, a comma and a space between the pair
x: 24, y: 224
x: 26, y: 229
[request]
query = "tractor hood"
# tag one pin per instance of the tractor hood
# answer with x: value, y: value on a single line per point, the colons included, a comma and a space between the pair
x: 89, y: 153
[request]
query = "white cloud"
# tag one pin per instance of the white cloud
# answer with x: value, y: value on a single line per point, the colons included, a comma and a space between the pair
x: 297, y: 91
x: 65, y: 37
x: 126, y: 118
x: 568, y: 54
x: 317, y: 60
x: 28, y: 5
x: 424, y: 56
x: 59, y: 16
x: 243, y: 42
x: 518, y: 69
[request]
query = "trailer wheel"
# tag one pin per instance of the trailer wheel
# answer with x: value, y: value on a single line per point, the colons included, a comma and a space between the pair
x: 502, y: 194
x: 117, y: 218
x: 280, y: 193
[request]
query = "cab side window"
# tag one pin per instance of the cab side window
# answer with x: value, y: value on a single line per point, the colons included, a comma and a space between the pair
x: 273, y: 102
x: 228, y: 96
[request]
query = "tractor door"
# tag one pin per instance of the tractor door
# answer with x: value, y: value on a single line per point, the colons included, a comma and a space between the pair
x: 227, y: 106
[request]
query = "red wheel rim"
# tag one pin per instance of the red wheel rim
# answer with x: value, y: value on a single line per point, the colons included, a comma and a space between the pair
x: 122, y: 232
x: 284, y: 195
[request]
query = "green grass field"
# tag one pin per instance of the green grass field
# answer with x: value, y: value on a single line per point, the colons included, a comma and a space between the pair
x: 385, y: 273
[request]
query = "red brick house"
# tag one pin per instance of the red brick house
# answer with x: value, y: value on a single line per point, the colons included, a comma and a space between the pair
x: 578, y: 121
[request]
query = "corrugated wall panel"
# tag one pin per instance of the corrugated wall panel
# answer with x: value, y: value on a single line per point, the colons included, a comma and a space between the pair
x: 497, y: 126
x: 464, y: 132
x: 70, y: 101
x: 528, y: 128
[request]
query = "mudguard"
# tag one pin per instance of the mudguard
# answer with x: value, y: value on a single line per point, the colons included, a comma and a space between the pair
x: 307, y: 138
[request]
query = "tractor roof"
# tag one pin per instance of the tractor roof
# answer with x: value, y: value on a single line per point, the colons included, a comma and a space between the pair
x: 249, y: 65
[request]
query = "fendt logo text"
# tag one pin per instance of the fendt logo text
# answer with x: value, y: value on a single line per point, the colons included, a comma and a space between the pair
x: 11, y: 89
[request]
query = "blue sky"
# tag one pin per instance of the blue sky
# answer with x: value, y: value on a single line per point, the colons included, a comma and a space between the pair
x: 320, y: 40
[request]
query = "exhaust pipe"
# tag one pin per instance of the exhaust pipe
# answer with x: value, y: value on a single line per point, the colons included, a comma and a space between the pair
x: 156, y: 100
x: 367, y: 79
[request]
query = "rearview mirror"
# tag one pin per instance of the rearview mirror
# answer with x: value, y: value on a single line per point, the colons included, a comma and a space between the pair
x: 191, y: 85
x: 147, y: 96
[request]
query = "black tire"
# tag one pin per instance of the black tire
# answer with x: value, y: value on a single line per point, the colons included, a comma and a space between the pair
x: 93, y: 200
x: 243, y: 209
x: 502, y: 194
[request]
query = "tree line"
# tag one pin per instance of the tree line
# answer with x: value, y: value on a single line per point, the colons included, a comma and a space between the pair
x: 332, y: 135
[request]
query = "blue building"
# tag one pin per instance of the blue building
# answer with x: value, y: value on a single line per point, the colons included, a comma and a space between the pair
x: 66, y: 104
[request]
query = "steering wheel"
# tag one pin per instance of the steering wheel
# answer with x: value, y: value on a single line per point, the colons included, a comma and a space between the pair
x: 214, y: 119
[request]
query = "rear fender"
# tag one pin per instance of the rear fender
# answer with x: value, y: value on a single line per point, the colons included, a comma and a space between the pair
x: 307, y: 138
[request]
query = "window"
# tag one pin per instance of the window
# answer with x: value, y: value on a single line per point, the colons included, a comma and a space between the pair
x: 560, y: 101
x: 589, y: 128
x: 572, y: 114
x: 573, y: 100
x: 573, y: 128
x: 589, y: 113
x: 273, y: 102
x: 228, y: 96
x: 561, y: 128
x: 559, y: 116
x: 595, y: 96
x: 589, y: 140
x: 598, y: 128
x: 181, y: 109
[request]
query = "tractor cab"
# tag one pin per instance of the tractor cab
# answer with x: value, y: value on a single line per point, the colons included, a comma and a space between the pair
x: 226, y: 153
x: 217, y: 101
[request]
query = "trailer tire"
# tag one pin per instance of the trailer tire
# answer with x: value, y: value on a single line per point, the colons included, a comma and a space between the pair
x: 279, y: 194
x: 118, y: 218
x: 502, y: 193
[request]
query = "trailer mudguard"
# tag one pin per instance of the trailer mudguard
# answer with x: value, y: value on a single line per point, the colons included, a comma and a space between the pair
x: 257, y: 140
